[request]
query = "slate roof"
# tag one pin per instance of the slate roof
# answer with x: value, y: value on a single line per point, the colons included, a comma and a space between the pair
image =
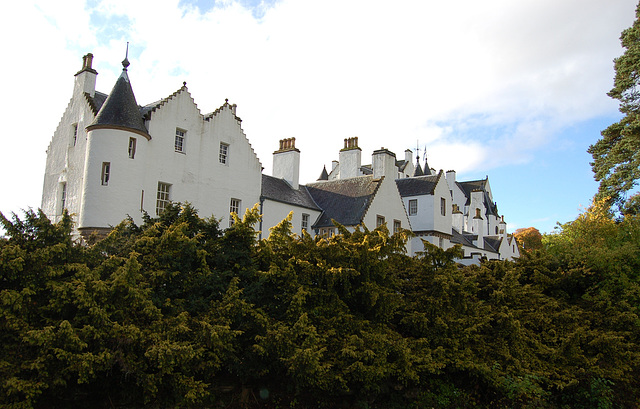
x: 464, y: 239
x: 491, y: 243
x: 324, y: 175
x: 96, y: 101
x: 423, y: 185
x: 344, y: 200
x: 470, y: 186
x: 280, y: 191
x: 120, y: 110
x: 418, y: 171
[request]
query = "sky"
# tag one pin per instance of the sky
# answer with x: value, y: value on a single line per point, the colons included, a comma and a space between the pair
x: 512, y: 90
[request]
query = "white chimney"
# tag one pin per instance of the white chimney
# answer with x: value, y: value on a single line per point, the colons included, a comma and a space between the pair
x: 86, y: 78
x: 286, y: 162
x: 350, y: 158
x: 457, y: 218
x: 478, y: 228
x: 384, y: 164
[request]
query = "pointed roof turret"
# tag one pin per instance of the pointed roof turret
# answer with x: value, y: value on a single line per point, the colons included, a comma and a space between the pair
x: 324, y: 175
x: 120, y: 110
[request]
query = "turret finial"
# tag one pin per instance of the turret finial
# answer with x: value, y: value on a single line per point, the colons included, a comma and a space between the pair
x: 125, y: 62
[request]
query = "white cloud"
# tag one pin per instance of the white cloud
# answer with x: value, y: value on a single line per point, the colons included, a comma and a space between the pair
x: 484, y: 84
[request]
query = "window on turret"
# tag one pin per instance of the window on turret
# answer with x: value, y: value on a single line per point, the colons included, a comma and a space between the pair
x: 443, y: 206
x: 179, y: 144
x: 163, y: 197
x: 397, y: 226
x: 132, y: 148
x: 106, y: 173
x: 413, y: 207
x: 224, y: 153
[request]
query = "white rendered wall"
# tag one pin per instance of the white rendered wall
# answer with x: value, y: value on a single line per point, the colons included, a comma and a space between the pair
x: 388, y: 203
x: 65, y: 161
x: 197, y: 176
x: 107, y: 205
x: 350, y: 162
x: 286, y: 165
x: 274, y: 212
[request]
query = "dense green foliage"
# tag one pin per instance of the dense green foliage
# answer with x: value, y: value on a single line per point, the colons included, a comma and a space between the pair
x: 177, y: 313
x: 616, y: 156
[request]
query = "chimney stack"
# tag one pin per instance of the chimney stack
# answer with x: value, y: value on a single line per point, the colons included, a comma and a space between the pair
x: 286, y: 162
x: 85, y: 81
x: 384, y: 164
x: 350, y: 158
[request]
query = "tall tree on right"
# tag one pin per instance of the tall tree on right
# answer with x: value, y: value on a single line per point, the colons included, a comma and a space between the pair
x: 616, y: 156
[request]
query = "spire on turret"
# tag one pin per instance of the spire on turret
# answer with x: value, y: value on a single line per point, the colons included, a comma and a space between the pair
x: 120, y: 110
x: 125, y: 62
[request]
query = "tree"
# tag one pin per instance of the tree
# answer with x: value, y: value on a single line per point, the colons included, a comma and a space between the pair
x: 529, y: 238
x: 616, y: 156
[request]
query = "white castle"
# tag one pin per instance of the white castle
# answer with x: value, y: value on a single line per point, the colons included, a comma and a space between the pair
x: 110, y: 158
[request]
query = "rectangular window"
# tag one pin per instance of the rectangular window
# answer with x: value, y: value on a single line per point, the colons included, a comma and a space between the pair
x: 106, y: 172
x: 326, y: 232
x: 413, y: 207
x: 234, y: 207
x: 397, y: 225
x: 305, y: 222
x: 132, y: 148
x: 63, y: 196
x: 180, y: 140
x: 163, y: 197
x: 443, y: 206
x: 379, y: 220
x: 224, y: 153
x: 75, y: 133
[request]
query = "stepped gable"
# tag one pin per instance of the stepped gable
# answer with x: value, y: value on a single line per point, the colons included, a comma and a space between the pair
x: 120, y: 110
x: 226, y: 105
x: 423, y: 185
x: 149, y: 109
x: 95, y: 102
x: 280, y: 191
x: 344, y: 200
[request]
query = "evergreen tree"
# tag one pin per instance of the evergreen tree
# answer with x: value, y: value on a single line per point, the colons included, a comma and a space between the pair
x: 616, y: 156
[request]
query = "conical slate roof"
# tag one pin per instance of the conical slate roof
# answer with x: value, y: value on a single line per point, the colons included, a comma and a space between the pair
x: 120, y: 110
x: 324, y: 175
